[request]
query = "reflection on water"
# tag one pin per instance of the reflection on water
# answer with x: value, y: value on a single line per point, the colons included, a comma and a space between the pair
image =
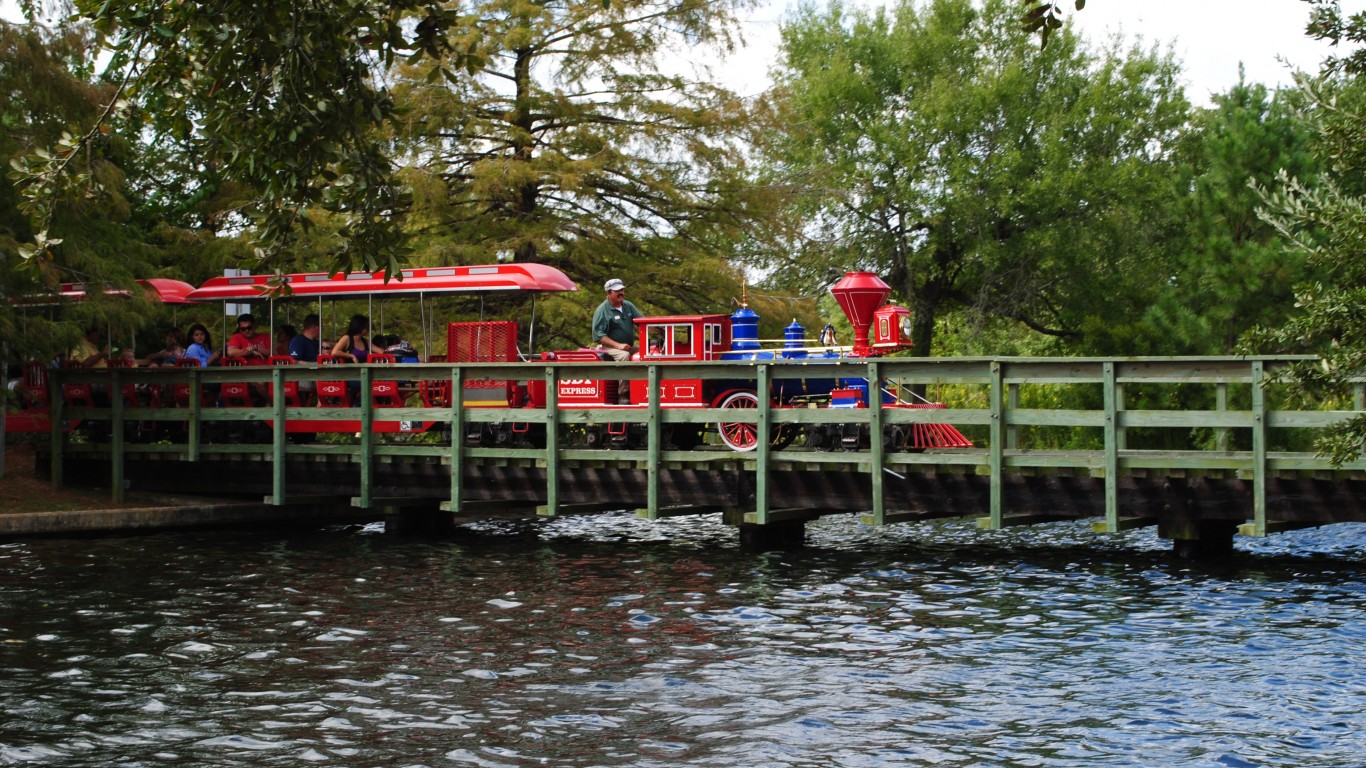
x: 608, y: 641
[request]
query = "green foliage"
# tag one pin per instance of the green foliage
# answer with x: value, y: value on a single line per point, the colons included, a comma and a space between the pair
x: 936, y: 144
x: 1323, y: 222
x: 101, y: 231
x: 1044, y: 18
x: 281, y: 98
x: 1231, y: 272
x: 571, y: 145
x: 44, y: 72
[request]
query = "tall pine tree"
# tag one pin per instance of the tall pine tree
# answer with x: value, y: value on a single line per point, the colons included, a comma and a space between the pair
x: 1232, y: 273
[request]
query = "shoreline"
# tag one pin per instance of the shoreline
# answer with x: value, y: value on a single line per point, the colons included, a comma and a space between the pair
x: 30, y: 506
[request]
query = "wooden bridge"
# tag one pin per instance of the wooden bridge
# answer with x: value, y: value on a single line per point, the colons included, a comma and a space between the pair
x: 1224, y: 451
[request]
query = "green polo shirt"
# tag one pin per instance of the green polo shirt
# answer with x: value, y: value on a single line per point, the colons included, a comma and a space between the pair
x: 617, y: 324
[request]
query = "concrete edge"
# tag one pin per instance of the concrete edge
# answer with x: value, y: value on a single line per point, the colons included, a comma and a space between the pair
x: 205, y: 515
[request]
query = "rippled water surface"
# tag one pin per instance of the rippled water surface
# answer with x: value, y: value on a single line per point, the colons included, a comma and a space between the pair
x: 607, y: 641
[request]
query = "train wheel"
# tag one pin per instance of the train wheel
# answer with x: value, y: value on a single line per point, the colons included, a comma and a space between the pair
x: 785, y: 435
x: 739, y: 435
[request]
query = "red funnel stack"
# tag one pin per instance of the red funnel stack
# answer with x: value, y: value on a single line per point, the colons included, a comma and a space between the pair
x: 859, y: 295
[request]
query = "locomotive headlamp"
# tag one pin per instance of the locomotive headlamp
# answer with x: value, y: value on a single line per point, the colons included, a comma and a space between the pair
x: 891, y: 328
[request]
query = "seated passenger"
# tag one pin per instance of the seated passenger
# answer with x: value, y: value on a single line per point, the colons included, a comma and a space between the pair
x: 174, y: 350
x: 354, y: 345
x: 201, y: 346
x: 401, y: 350
x: 306, y: 347
x: 88, y: 352
x: 614, y: 326
x: 247, y: 345
x: 283, y: 336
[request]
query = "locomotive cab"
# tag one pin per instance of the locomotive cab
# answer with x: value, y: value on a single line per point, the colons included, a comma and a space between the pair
x: 681, y: 339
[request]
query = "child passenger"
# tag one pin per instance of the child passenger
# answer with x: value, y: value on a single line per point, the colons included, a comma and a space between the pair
x: 201, y: 346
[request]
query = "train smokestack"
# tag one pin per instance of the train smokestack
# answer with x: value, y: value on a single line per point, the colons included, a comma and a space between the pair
x: 860, y: 294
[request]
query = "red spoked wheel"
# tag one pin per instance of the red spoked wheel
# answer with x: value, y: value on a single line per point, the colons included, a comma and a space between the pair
x: 744, y: 436
x: 739, y: 435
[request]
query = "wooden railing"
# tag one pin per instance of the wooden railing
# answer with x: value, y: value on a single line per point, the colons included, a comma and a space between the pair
x: 1231, y: 417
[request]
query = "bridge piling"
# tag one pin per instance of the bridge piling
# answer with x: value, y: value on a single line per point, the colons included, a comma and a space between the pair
x: 1199, y: 539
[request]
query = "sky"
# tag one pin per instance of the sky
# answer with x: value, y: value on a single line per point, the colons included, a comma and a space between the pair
x: 1210, y: 37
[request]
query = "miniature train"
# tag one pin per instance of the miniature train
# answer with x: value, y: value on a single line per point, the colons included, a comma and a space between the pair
x: 677, y: 340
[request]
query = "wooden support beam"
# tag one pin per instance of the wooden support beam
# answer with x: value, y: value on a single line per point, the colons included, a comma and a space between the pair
x: 393, y: 501
x: 784, y: 515
x: 679, y: 511
x: 988, y: 523
x: 1122, y: 524
x: 492, y: 508
x: 1274, y: 526
x: 544, y: 510
x: 306, y: 498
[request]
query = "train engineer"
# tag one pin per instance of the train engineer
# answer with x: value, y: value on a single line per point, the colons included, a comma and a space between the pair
x: 614, y: 322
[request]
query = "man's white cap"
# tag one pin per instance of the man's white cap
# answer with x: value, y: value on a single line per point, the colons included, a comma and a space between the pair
x: 613, y: 285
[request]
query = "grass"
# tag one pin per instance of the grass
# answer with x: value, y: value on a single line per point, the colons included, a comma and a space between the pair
x: 22, y: 492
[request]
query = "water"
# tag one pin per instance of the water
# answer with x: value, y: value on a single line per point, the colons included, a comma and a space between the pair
x: 608, y: 641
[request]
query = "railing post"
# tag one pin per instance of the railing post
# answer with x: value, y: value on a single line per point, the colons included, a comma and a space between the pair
x: 1221, y: 434
x: 194, y: 428
x: 1121, y: 431
x: 57, y: 398
x: 116, y: 435
x: 457, y: 437
x: 367, y: 438
x: 763, y: 434
x: 1012, y: 404
x: 552, y: 441
x: 1258, y: 448
x: 876, y: 447
x: 653, y: 442
x: 1110, y: 396
x: 277, y: 380
x: 996, y: 452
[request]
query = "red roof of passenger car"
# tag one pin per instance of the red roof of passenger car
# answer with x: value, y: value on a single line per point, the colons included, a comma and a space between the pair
x: 168, y: 291
x: 160, y: 289
x: 472, y: 279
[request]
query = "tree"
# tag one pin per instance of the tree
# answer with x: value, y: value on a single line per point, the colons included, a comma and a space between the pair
x: 47, y: 75
x: 1324, y: 222
x: 572, y: 145
x: 937, y: 145
x: 1046, y: 17
x: 1233, y: 274
x: 283, y: 98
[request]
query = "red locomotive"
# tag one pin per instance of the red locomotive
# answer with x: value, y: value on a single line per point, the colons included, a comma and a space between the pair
x: 878, y: 329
